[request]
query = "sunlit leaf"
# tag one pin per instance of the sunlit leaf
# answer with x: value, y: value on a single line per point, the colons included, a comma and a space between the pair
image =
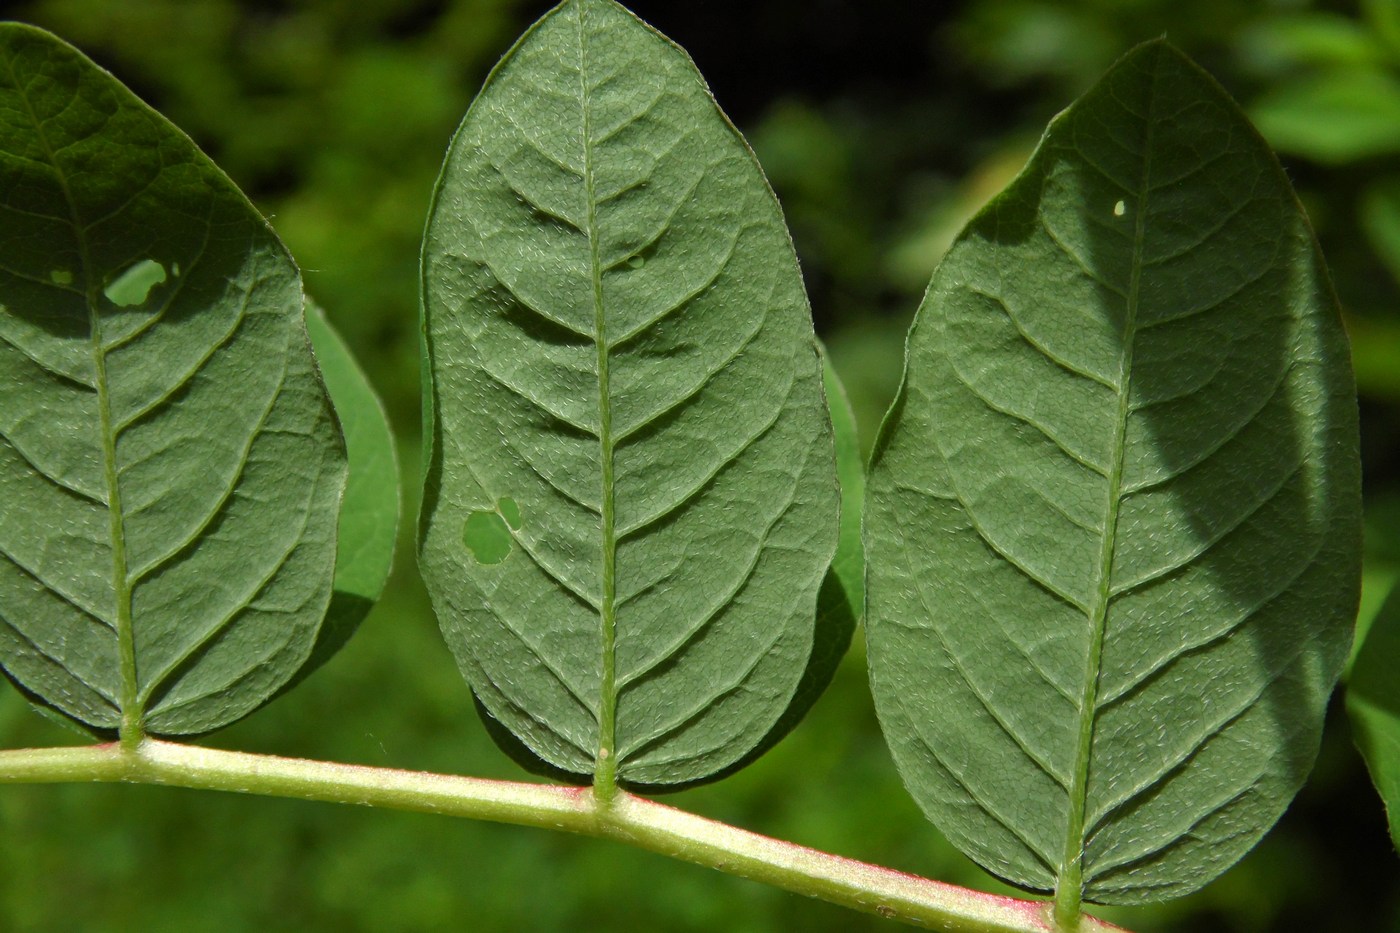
x: 1334, y: 116
x: 169, y: 466
x: 839, y: 606
x: 630, y: 501
x: 1113, y: 521
x: 1287, y: 42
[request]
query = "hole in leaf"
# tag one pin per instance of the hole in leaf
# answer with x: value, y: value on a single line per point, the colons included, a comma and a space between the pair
x: 133, y: 286
x: 61, y: 277
x: 487, y: 534
x: 1119, y: 209
x: 510, y: 512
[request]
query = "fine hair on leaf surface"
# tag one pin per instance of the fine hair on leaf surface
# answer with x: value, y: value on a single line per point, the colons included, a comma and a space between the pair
x: 618, y: 343
x: 1113, y: 521
x: 1112, y: 517
x: 170, y: 467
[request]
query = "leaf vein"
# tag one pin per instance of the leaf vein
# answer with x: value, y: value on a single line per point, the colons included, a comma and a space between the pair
x: 1203, y: 547
x: 1218, y: 443
x: 168, y: 396
x: 231, y: 617
x: 536, y: 403
x: 573, y: 589
x: 1039, y: 347
x: 1080, y: 261
x: 37, y: 280
x: 60, y: 484
x: 960, y: 666
x: 57, y: 662
x: 61, y: 376
x: 158, y: 314
x: 1132, y: 685
x: 687, y: 299
x: 697, y: 488
x: 63, y: 596
x: 528, y: 138
x: 689, y: 633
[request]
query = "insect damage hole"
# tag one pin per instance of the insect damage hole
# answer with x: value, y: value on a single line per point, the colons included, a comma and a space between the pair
x: 133, y: 286
x: 487, y: 533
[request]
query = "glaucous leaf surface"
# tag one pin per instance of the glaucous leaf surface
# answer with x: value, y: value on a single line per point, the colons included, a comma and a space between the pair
x: 631, y: 501
x: 841, y: 599
x: 170, y: 469
x: 1113, y: 521
x: 840, y: 602
x: 1373, y: 701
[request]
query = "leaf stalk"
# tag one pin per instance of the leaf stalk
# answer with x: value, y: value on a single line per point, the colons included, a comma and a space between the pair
x: 625, y: 818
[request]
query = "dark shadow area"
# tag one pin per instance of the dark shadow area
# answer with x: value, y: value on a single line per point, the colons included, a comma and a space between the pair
x: 1237, y: 553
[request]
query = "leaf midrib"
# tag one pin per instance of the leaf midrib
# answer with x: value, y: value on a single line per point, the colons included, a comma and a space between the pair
x: 605, y: 767
x: 130, y: 729
x: 1069, y: 885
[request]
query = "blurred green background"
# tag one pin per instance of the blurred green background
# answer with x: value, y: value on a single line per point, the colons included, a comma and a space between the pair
x: 882, y: 125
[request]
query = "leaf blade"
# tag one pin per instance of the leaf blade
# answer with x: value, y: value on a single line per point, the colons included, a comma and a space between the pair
x: 598, y: 321
x: 1083, y: 448
x: 160, y: 382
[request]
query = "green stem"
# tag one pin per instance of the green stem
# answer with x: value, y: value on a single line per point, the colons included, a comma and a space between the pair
x: 626, y: 818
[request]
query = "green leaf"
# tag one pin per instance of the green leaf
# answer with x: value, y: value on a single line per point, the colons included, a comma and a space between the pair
x: 1380, y: 218
x: 1113, y: 518
x: 840, y: 602
x: 1373, y: 701
x: 849, y: 563
x: 169, y: 464
x: 1335, y: 116
x: 1375, y: 348
x: 369, y: 510
x: 1383, y: 16
x: 1287, y: 42
x: 1377, y: 583
x: 622, y: 361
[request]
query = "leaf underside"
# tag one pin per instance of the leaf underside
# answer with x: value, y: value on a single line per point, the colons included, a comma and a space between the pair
x: 170, y: 469
x: 631, y: 502
x: 839, y: 604
x: 1113, y: 518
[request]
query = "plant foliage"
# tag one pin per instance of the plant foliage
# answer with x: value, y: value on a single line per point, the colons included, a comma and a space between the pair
x: 631, y: 501
x: 1113, y: 524
x: 170, y: 466
x: 1113, y: 517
